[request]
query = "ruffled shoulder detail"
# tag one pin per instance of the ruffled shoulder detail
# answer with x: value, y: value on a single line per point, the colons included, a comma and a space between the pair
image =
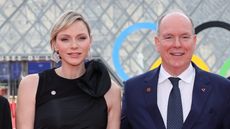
x: 96, y: 81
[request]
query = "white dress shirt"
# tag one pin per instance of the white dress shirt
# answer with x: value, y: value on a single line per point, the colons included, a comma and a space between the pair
x: 186, y: 88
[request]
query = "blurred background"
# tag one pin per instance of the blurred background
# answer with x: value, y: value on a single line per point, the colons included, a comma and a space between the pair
x: 123, y: 35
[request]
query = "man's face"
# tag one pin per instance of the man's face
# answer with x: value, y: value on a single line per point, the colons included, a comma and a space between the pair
x: 175, y: 42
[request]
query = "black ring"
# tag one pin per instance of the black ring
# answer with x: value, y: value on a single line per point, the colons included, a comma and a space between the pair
x: 210, y: 24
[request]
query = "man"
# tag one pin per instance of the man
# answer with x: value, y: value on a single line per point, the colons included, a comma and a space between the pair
x: 192, y: 99
x: 5, y: 115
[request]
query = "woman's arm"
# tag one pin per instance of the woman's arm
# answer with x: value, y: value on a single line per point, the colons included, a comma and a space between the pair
x: 113, y: 99
x: 25, y: 108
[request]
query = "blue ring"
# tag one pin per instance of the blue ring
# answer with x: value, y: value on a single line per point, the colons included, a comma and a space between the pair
x: 118, y: 43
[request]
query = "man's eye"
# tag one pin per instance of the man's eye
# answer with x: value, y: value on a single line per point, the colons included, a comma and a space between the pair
x: 82, y: 38
x: 185, y: 37
x: 168, y: 37
x: 64, y: 39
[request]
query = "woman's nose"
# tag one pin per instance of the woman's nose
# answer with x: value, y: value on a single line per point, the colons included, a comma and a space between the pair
x: 74, y: 44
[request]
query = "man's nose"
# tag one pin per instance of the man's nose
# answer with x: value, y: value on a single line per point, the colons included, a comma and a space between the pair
x: 177, y: 42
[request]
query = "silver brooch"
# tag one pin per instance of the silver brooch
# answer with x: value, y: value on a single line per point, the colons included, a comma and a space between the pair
x: 53, y: 92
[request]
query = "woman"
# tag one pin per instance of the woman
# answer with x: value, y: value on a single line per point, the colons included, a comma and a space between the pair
x: 5, y: 115
x: 78, y: 94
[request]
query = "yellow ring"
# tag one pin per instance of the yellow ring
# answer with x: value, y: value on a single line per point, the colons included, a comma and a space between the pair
x: 198, y: 61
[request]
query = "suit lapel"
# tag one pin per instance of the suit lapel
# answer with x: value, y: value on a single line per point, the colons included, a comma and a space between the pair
x: 150, y: 93
x: 201, y: 91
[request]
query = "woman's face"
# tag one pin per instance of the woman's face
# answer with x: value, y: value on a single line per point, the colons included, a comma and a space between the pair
x: 73, y: 44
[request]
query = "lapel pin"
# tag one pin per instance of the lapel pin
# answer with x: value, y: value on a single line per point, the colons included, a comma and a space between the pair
x: 203, y: 89
x: 148, y: 89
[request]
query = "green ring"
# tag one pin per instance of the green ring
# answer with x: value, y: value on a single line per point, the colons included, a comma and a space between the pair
x: 225, y: 67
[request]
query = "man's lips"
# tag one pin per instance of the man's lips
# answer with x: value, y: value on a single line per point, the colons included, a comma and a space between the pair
x: 177, y: 53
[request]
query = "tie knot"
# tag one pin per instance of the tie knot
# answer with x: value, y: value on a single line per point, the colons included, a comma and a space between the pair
x: 174, y: 81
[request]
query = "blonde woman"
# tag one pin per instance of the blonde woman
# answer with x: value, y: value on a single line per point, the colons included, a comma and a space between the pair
x: 78, y: 94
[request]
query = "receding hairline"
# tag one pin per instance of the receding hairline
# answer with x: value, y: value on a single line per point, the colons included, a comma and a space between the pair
x: 174, y: 13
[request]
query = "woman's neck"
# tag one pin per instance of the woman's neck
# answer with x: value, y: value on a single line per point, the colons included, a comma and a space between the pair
x: 71, y: 72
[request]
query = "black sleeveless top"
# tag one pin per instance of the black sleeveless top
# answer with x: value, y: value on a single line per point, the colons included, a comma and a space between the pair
x: 73, y: 103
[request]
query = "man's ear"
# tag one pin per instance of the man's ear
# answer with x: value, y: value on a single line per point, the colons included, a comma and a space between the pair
x: 195, y: 40
x: 157, y: 43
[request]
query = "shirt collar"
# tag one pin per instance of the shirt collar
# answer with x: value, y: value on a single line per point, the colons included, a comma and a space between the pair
x: 163, y: 75
x: 186, y: 76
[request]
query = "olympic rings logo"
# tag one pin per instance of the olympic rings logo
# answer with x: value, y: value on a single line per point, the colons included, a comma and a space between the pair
x: 152, y: 26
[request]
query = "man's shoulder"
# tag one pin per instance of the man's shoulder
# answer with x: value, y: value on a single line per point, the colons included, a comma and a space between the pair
x: 142, y: 76
x: 214, y: 76
x: 214, y: 79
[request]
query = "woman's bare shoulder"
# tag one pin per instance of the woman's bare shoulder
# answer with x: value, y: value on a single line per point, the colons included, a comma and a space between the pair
x: 113, y: 96
x: 115, y: 89
x: 29, y: 83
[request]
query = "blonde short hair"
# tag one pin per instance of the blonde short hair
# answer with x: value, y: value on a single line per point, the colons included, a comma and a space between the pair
x: 64, y: 21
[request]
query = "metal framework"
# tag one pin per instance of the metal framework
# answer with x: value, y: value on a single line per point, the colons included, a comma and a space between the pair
x: 25, y: 26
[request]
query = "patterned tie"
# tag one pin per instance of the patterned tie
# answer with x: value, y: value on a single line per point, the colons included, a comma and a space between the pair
x: 175, y: 111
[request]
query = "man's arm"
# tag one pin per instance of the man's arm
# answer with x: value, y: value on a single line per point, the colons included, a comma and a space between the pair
x: 124, y: 119
x: 226, y: 121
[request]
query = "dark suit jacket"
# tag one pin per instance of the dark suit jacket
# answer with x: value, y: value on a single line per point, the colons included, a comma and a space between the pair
x: 5, y: 115
x: 210, y: 102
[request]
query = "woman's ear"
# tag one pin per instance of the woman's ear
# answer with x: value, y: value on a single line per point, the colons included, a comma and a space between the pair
x: 54, y: 46
x: 90, y: 42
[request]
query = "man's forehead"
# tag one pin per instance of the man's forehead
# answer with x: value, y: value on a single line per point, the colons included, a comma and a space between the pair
x: 175, y: 16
